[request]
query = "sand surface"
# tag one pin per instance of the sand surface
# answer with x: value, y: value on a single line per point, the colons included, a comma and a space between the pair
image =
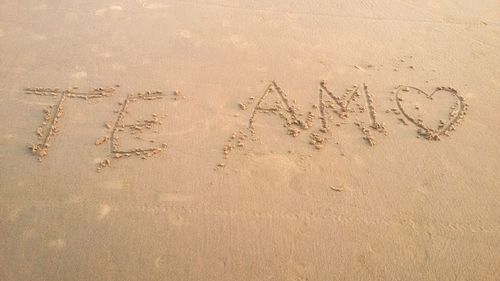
x: 217, y: 140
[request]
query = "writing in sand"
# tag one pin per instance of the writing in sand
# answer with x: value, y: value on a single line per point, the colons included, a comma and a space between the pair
x: 355, y: 107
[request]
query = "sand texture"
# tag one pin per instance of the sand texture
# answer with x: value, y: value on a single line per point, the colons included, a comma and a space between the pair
x: 250, y: 140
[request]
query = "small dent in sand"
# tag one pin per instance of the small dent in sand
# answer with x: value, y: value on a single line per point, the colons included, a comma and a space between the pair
x: 155, y: 6
x: 57, y: 243
x: 359, y: 68
x: 9, y: 136
x: 15, y: 214
x: 184, y: 33
x: 40, y: 7
x: 113, y: 184
x: 238, y: 41
x: 105, y: 55
x: 174, y: 197
x: 338, y: 188
x: 118, y: 66
x: 29, y: 233
x: 81, y: 74
x: 261, y: 68
x: 175, y: 219
x: 39, y: 37
x: 102, y: 11
x: 73, y: 199
x: 104, y: 210
x: 158, y: 261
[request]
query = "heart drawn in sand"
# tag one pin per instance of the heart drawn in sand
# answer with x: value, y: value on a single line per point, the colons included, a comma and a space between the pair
x: 455, y: 114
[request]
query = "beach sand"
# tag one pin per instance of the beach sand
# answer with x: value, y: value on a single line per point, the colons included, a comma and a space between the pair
x: 250, y: 140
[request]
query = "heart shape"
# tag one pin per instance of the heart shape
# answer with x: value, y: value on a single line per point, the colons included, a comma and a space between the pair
x: 455, y: 115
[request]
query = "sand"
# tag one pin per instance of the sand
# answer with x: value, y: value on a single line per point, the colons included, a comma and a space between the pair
x: 250, y: 140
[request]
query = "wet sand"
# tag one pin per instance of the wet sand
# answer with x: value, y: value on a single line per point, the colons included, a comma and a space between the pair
x: 223, y: 140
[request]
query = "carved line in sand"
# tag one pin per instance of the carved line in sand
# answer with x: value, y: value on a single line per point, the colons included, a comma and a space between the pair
x: 289, y: 113
x: 134, y: 129
x: 351, y: 95
x: 283, y: 107
x: 53, y: 114
x: 456, y: 115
